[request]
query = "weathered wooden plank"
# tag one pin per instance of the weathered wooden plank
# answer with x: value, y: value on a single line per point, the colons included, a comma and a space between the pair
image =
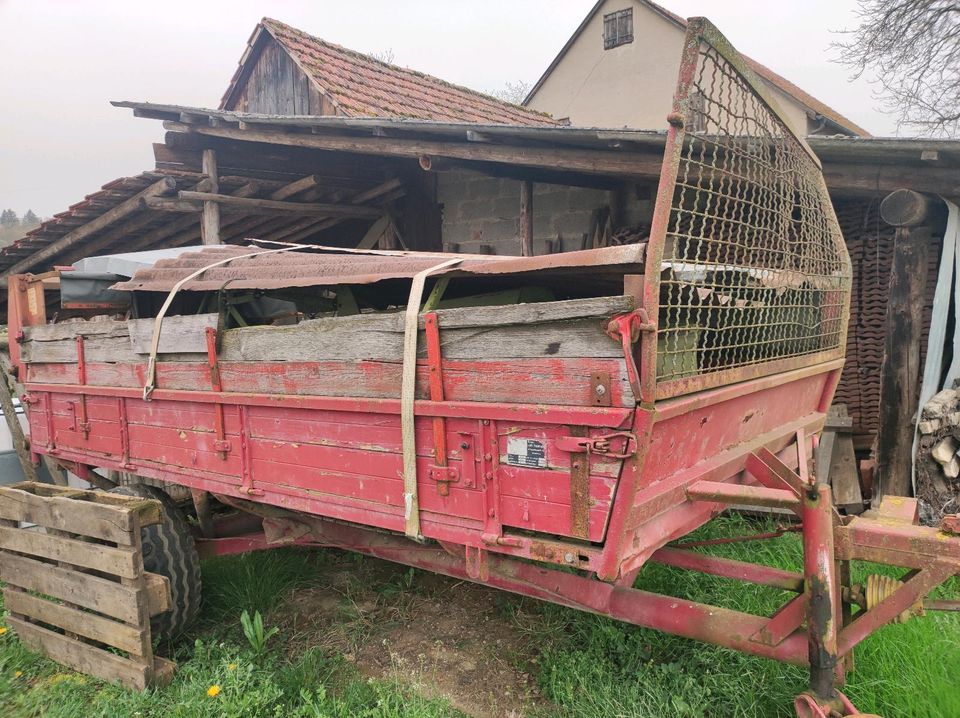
x: 534, y: 312
x: 87, y: 518
x: 96, y: 327
x: 253, y: 204
x: 336, y: 340
x: 178, y: 334
x: 109, y: 559
x: 158, y: 593
x: 547, y: 329
x: 80, y: 656
x: 93, y: 592
x: 900, y: 369
x: 64, y: 351
x: 83, y: 623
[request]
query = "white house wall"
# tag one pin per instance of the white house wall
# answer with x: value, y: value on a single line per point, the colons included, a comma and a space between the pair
x: 627, y: 86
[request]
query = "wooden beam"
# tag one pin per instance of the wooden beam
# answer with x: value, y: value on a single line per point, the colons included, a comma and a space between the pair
x: 602, y: 162
x: 526, y: 218
x: 210, y: 221
x: 876, y: 179
x: 361, y: 198
x: 122, y: 210
x: 251, y: 204
x: 292, y: 188
x: 905, y: 208
x: 900, y: 369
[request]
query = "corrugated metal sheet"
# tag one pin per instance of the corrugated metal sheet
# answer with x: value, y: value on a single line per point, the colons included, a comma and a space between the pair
x: 330, y: 266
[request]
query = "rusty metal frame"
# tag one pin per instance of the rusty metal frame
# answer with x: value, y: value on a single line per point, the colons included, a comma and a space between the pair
x: 703, y: 34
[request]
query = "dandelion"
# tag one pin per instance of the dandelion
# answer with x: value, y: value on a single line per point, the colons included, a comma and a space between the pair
x: 213, y: 691
x: 2, y: 630
x: 232, y: 667
x: 17, y: 674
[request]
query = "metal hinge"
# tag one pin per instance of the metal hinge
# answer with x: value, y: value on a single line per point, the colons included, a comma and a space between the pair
x: 444, y: 476
x: 605, y: 445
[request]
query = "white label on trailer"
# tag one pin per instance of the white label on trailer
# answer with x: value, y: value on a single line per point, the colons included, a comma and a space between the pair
x: 526, y: 452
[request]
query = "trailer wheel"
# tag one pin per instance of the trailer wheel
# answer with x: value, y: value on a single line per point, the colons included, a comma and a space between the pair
x: 168, y: 550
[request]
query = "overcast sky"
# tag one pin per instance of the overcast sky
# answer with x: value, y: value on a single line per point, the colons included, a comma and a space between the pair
x: 62, y: 61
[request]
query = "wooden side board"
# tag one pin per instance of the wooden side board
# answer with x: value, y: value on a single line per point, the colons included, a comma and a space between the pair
x: 564, y: 329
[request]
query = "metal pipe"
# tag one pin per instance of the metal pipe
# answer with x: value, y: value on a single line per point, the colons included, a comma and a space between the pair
x: 823, y: 608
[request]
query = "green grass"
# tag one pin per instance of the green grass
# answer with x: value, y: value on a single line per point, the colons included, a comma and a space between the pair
x: 587, y: 665
x: 599, y: 667
x: 312, y: 684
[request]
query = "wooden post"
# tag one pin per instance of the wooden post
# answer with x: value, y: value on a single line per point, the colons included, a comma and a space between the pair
x: 900, y: 370
x: 8, y: 389
x: 526, y: 218
x: 16, y: 431
x: 210, y: 223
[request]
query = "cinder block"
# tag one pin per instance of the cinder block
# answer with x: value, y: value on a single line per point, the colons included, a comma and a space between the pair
x: 475, y: 209
x: 507, y: 207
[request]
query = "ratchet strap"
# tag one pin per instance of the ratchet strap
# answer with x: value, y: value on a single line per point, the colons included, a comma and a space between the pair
x: 150, y: 383
x: 408, y: 383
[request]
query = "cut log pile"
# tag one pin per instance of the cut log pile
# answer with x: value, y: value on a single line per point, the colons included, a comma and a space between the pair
x: 938, y: 456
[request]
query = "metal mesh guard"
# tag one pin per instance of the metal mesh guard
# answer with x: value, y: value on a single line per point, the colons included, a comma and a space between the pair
x: 754, y: 267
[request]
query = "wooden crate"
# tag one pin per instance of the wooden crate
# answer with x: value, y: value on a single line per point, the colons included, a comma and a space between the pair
x: 76, y: 589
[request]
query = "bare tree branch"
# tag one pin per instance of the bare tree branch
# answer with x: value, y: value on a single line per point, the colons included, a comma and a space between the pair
x: 913, y: 48
x: 513, y: 92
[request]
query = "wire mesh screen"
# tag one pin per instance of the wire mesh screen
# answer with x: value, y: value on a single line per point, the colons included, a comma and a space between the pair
x: 754, y: 268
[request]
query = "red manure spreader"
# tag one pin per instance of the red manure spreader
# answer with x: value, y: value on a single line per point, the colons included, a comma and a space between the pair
x: 545, y: 425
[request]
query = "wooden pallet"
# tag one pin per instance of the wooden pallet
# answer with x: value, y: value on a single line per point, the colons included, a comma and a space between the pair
x: 75, y: 584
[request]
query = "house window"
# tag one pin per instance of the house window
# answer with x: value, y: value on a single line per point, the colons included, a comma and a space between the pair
x: 618, y: 28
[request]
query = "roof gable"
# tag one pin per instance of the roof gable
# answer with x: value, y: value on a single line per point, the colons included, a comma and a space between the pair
x: 357, y: 85
x: 811, y: 103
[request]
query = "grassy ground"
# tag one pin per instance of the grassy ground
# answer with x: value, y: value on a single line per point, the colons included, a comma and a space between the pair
x: 585, y: 665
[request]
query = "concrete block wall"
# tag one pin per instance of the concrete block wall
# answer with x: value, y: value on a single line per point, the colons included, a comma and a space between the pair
x: 478, y: 209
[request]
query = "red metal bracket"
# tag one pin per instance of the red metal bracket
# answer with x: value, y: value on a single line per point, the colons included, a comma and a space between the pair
x: 221, y: 445
x: 246, y: 458
x: 444, y: 474
x: 599, y: 444
x: 81, y: 422
x: 626, y: 329
x: 807, y: 706
x: 440, y: 473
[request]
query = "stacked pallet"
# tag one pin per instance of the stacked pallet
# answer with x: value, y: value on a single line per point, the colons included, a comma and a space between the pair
x: 76, y: 589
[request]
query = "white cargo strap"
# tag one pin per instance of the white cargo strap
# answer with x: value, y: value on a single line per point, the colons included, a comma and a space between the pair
x: 408, y: 385
x: 150, y: 382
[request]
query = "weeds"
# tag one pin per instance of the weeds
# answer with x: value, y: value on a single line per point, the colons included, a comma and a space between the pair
x: 253, y: 629
x: 255, y: 581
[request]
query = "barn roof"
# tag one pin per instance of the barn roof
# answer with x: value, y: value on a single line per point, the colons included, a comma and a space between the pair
x: 781, y: 83
x: 359, y: 85
x: 851, y: 165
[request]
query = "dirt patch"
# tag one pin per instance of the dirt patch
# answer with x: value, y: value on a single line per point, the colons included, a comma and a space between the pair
x: 453, y: 639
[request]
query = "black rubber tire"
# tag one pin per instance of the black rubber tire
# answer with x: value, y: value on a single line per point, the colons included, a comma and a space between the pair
x: 168, y: 550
